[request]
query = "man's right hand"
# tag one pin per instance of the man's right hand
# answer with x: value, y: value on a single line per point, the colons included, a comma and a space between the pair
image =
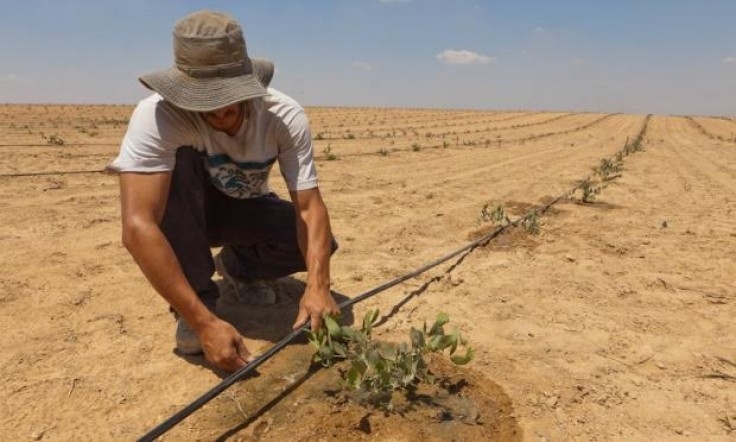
x: 223, y: 346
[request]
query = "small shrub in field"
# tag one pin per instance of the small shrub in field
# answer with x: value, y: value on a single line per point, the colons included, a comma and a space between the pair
x: 530, y: 222
x: 589, y: 190
x: 55, y: 140
x: 416, y: 147
x: 378, y: 369
x: 329, y: 155
x: 609, y: 169
x: 383, y: 151
x: 494, y: 213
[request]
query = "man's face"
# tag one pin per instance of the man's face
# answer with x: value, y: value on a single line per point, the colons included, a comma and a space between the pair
x: 226, y: 119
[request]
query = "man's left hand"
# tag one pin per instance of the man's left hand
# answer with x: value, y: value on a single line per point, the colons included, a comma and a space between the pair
x: 313, y: 305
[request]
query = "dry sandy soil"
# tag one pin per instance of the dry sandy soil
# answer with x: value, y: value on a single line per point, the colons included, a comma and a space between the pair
x: 616, y: 322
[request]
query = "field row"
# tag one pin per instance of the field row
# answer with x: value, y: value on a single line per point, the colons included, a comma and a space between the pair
x: 74, y: 148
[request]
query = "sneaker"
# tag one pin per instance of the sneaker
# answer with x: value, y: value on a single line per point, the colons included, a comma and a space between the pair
x: 187, y: 341
x: 245, y: 291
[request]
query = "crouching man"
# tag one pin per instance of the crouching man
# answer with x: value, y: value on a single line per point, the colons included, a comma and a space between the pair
x: 194, y: 168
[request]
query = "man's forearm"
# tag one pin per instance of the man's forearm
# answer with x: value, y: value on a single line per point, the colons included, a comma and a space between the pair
x: 315, y: 241
x: 154, y: 255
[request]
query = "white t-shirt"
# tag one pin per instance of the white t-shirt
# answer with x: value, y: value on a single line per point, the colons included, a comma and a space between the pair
x: 277, y: 129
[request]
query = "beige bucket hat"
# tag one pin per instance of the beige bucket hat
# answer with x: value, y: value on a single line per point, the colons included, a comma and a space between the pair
x: 211, y: 65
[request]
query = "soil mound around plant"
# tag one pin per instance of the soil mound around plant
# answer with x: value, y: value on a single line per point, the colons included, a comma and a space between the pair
x: 291, y: 400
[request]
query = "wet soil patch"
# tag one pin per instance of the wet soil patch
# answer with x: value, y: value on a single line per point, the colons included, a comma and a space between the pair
x: 292, y: 400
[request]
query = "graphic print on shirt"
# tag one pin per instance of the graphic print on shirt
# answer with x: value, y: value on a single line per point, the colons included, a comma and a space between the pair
x: 239, y: 179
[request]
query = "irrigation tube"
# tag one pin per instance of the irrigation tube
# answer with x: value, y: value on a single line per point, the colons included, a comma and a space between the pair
x: 70, y: 172
x: 169, y: 423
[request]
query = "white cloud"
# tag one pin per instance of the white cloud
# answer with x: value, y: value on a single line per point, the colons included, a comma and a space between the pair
x: 729, y: 60
x: 362, y: 65
x: 451, y: 56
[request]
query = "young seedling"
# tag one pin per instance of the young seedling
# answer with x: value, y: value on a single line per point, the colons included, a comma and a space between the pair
x: 530, y: 222
x: 378, y: 369
x: 55, y: 140
x: 609, y: 169
x: 329, y: 155
x: 495, y: 214
x: 589, y: 190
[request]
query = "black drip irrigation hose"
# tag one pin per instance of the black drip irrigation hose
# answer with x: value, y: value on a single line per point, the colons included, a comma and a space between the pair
x: 60, y: 146
x: 70, y: 172
x: 198, y: 403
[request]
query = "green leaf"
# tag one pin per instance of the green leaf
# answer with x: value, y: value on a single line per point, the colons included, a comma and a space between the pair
x: 372, y: 356
x: 353, y: 378
x: 332, y: 327
x: 361, y: 367
x: 446, y: 341
x: 340, y: 349
x: 456, y: 338
x: 434, y: 343
x: 388, y: 351
x: 370, y: 317
x: 348, y: 333
x: 462, y: 360
x: 313, y: 339
x: 442, y: 319
x: 325, y: 352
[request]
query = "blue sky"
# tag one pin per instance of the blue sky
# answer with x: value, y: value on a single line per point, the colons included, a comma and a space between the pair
x: 643, y: 56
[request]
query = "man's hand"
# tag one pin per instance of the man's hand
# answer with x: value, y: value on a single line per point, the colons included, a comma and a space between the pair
x: 313, y: 305
x: 223, y: 346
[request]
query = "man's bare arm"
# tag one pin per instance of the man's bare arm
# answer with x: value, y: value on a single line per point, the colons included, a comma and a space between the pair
x: 315, y: 241
x: 143, y: 199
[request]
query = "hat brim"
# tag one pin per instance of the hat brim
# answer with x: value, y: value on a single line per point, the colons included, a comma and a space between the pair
x: 202, y: 94
x: 263, y: 69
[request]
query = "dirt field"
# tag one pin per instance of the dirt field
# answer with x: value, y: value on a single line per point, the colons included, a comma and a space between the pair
x: 616, y: 322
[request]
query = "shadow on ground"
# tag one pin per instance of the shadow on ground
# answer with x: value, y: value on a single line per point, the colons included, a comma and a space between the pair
x: 268, y: 323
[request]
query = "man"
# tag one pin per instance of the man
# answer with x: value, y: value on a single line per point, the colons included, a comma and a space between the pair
x: 194, y: 168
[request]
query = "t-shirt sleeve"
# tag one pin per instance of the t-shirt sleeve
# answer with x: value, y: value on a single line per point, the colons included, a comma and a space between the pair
x: 156, y: 130
x: 296, y: 157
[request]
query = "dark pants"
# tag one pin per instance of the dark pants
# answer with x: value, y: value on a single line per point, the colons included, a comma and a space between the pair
x: 259, y: 233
